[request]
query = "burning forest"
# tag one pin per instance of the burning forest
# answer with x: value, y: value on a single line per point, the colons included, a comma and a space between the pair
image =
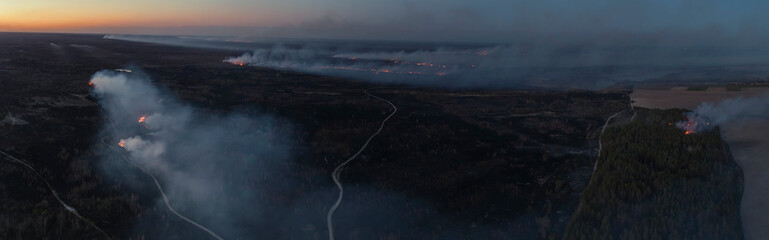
x: 694, y: 124
x: 734, y: 111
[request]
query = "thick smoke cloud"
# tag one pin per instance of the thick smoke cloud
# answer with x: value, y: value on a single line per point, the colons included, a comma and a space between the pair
x: 733, y: 111
x: 219, y: 170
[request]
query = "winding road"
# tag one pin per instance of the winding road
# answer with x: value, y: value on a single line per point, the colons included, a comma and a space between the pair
x: 160, y: 189
x: 338, y: 170
x: 145, y: 171
x: 56, y: 195
x: 600, y: 142
x: 163, y: 193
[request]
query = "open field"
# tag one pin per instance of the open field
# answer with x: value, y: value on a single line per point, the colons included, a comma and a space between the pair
x: 684, y: 97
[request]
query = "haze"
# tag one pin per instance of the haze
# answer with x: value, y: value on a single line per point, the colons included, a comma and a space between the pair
x: 676, y: 22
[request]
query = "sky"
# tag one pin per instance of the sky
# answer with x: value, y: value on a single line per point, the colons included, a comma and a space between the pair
x: 687, y: 22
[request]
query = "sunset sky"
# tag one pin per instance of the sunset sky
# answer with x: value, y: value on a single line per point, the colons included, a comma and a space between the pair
x: 447, y: 20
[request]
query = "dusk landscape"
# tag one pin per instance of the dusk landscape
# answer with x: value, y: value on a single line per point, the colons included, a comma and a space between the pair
x: 376, y: 119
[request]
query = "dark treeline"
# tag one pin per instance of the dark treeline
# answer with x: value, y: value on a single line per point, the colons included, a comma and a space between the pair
x: 654, y: 182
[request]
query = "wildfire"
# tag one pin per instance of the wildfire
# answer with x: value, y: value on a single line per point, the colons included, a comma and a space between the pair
x: 239, y: 63
x: 142, y: 120
x: 121, y: 143
x: 692, y: 125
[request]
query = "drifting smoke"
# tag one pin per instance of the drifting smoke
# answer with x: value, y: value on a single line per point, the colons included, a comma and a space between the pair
x: 218, y: 170
x: 450, y: 67
x: 235, y: 175
x: 491, y: 66
x: 732, y: 111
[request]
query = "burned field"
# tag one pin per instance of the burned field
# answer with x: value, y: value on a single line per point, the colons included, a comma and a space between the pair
x: 449, y: 164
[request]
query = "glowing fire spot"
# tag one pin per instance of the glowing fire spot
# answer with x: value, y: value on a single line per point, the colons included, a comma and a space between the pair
x: 692, y: 125
x: 121, y: 143
x: 239, y: 63
x: 142, y: 118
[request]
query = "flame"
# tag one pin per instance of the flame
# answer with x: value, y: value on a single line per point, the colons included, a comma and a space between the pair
x: 142, y: 118
x: 238, y: 62
x: 121, y: 143
x: 692, y: 124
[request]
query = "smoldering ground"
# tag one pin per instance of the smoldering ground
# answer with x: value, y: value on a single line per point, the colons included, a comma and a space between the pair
x: 508, y: 65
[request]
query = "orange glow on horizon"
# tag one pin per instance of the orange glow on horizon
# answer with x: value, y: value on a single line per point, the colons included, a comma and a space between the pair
x: 103, y: 16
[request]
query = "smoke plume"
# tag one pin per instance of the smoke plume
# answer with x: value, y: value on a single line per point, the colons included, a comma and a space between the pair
x: 236, y: 175
x: 219, y: 170
x: 733, y: 111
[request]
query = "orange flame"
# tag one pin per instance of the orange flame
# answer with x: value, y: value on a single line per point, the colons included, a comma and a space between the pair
x: 142, y: 118
x: 121, y: 143
x: 239, y: 63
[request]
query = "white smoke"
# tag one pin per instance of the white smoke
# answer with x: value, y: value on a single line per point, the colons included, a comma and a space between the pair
x: 730, y: 111
x: 459, y: 66
x: 216, y: 169
x: 419, y: 67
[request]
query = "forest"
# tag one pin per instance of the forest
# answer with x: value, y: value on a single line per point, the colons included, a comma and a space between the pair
x: 653, y: 181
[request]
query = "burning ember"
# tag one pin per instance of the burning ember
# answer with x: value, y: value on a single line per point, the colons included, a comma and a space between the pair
x: 692, y: 125
x: 121, y: 143
x: 239, y: 63
x: 142, y: 120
